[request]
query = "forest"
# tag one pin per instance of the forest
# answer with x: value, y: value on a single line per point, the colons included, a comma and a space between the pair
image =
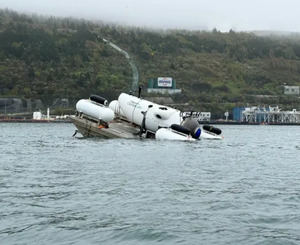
x: 48, y: 58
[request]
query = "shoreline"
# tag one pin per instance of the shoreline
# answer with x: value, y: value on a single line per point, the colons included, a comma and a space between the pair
x: 200, y: 122
x: 33, y: 121
x: 247, y: 124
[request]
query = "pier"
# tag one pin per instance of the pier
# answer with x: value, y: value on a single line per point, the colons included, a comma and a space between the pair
x: 270, y: 115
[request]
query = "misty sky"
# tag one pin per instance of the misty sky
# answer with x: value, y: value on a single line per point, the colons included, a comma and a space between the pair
x: 240, y: 15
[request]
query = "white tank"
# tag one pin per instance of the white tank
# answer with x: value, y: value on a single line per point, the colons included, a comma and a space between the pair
x: 157, y: 115
x: 115, y: 107
x: 95, y: 110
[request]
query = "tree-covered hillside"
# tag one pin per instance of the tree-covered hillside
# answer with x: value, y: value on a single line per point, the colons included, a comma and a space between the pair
x: 50, y: 58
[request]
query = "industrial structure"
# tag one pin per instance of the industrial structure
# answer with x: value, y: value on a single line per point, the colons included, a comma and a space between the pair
x: 265, y: 115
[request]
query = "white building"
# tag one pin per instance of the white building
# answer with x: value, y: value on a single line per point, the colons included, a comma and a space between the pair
x: 291, y: 90
x: 204, y: 116
x: 37, y: 115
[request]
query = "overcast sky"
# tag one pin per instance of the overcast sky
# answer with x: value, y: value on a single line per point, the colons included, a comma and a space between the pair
x: 239, y: 15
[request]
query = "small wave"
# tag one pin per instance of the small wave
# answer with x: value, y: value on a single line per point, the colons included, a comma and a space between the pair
x: 143, y: 235
x: 14, y: 230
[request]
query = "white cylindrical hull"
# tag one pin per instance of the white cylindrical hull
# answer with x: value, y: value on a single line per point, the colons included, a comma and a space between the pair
x: 157, y: 115
x: 96, y: 111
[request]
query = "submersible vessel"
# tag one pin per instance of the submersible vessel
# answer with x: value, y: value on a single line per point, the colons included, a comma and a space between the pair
x: 133, y: 117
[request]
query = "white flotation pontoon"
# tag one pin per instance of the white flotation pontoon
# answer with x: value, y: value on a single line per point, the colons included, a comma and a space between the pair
x: 178, y: 132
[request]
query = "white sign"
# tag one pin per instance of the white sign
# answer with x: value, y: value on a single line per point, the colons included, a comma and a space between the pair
x: 165, y: 82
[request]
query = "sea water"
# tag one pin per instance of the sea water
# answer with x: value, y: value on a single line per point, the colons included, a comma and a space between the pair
x: 59, y: 189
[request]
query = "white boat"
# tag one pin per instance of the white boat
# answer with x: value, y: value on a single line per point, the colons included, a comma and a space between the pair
x: 133, y: 117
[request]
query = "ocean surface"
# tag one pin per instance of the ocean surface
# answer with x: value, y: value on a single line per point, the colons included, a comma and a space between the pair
x: 59, y: 189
